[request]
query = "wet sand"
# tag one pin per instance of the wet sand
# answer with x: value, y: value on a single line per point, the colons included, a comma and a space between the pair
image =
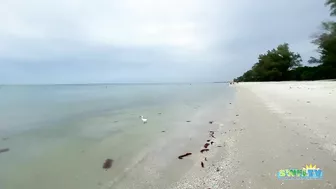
x: 160, y: 165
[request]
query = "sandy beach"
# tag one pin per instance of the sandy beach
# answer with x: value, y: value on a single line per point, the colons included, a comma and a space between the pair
x: 273, y: 126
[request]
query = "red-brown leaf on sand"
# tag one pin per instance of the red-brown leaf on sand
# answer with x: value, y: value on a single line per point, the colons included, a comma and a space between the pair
x: 204, y: 150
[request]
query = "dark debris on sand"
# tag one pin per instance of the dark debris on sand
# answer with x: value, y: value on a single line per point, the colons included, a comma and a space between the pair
x: 211, y: 133
x: 4, y: 150
x: 184, y: 155
x: 107, y: 164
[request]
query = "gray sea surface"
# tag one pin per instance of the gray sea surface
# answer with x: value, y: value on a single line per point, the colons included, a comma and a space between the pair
x: 60, y: 135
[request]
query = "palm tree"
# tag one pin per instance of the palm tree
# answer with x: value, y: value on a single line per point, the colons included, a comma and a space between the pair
x: 332, y: 4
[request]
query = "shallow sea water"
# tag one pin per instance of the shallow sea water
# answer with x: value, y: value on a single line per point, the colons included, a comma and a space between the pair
x: 60, y: 135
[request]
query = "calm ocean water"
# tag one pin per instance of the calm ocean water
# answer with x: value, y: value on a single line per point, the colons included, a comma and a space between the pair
x: 59, y: 135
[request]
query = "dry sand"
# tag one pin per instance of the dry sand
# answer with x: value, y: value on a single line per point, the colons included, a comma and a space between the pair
x: 272, y: 126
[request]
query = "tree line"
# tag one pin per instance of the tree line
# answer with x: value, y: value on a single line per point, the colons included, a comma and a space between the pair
x: 280, y: 63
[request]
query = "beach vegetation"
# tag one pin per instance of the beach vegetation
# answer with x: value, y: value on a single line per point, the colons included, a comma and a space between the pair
x: 281, y: 64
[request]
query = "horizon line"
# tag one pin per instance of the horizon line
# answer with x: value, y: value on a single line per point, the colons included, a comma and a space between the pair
x: 116, y: 83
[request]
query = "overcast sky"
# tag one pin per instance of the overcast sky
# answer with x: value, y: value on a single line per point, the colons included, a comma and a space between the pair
x: 90, y: 41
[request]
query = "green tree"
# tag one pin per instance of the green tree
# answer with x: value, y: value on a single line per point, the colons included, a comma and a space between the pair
x: 282, y: 64
x: 326, y: 43
x: 274, y: 65
x: 326, y: 46
x: 332, y: 5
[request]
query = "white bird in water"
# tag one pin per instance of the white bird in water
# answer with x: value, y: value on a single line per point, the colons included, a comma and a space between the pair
x: 143, y: 119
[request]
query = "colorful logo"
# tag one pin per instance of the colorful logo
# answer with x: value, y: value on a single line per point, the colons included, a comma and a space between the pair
x: 309, y: 172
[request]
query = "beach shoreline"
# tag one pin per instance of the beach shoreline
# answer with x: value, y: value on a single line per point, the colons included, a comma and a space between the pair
x: 273, y: 126
x: 258, y: 129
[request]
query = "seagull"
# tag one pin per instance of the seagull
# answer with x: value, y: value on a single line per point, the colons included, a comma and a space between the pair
x: 143, y: 119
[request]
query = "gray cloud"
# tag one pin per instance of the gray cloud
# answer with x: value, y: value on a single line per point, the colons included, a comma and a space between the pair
x: 71, y: 41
